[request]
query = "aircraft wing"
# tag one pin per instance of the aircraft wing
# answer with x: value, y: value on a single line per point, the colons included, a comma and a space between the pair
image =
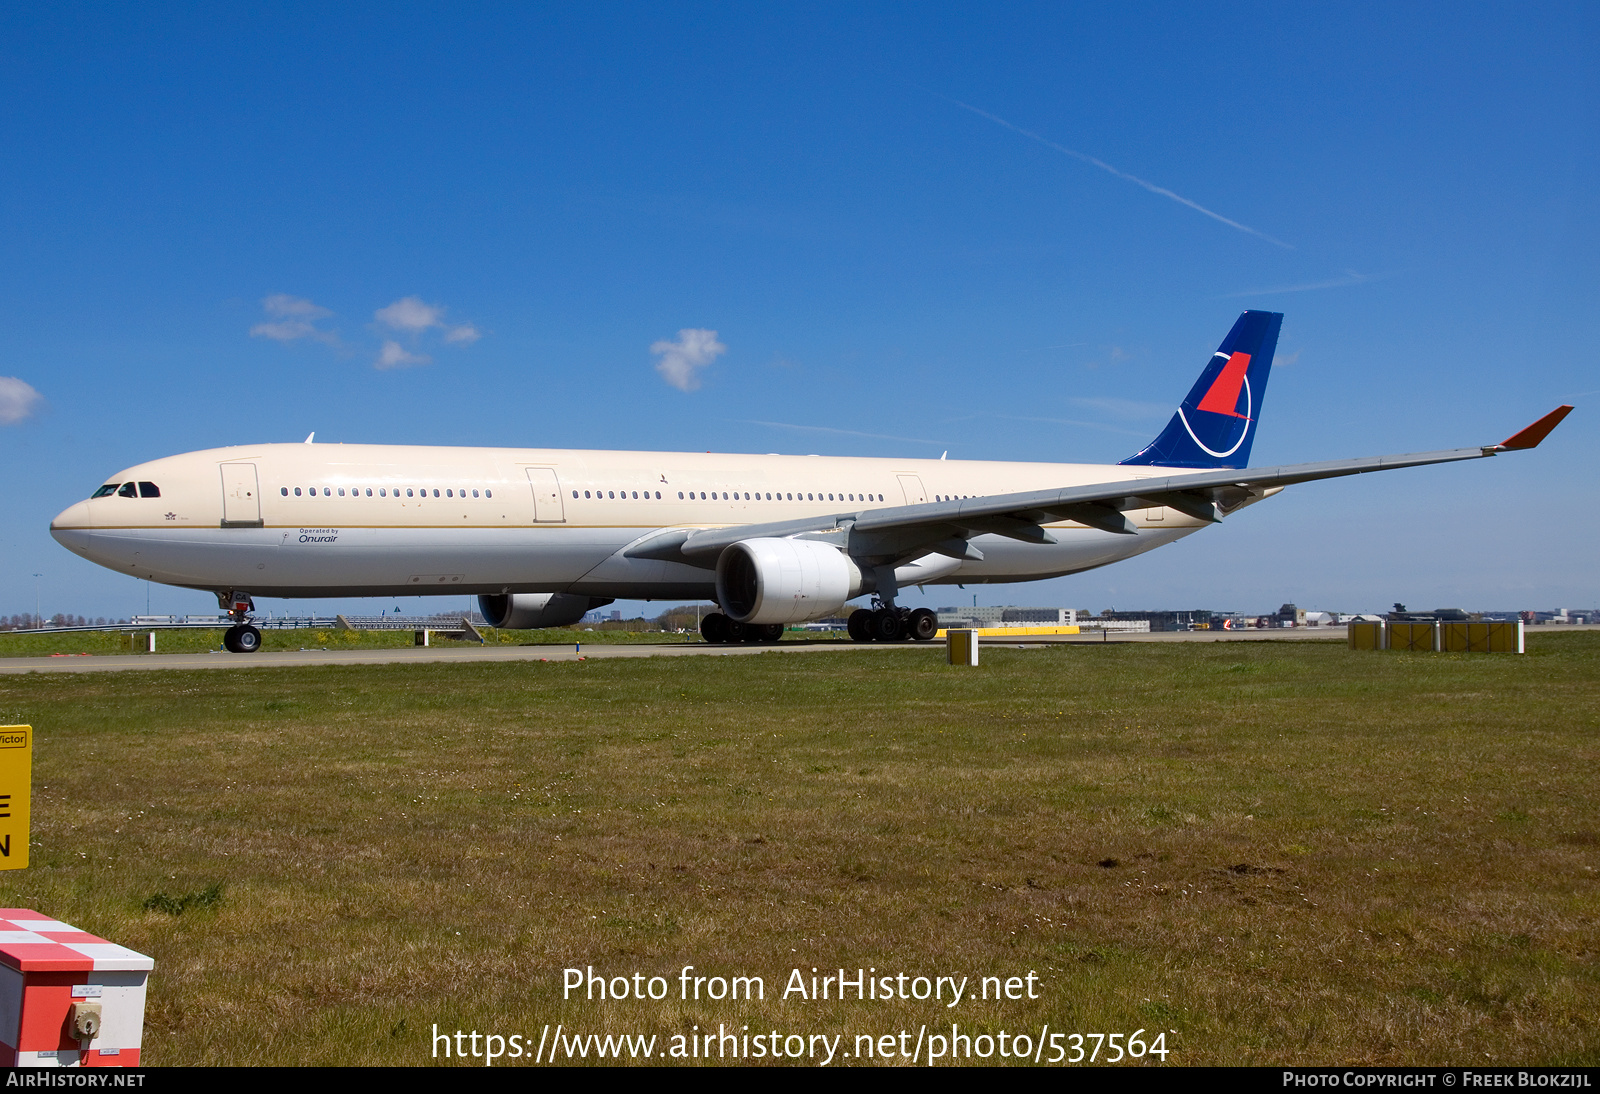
x: 895, y: 533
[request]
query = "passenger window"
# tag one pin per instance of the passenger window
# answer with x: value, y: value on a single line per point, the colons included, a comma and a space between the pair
x: 409, y: 493
x: 284, y: 490
x: 297, y: 491
x: 488, y: 493
x: 436, y: 493
x: 475, y: 493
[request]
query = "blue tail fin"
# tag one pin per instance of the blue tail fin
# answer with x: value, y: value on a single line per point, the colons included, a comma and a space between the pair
x: 1216, y: 422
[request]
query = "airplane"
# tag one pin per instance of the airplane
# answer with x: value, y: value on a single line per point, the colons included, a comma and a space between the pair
x: 543, y: 536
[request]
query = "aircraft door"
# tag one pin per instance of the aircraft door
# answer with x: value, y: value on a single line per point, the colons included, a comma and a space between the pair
x: 548, y: 507
x: 912, y: 485
x: 241, y: 496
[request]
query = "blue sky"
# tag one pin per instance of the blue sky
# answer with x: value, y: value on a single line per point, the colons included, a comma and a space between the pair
x: 1009, y: 233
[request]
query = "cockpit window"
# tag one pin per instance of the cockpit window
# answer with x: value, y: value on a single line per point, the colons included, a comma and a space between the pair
x: 149, y: 490
x: 129, y: 490
x: 105, y: 491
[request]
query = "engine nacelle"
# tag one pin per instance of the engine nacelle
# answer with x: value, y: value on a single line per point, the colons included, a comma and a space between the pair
x: 784, y: 580
x: 527, y: 611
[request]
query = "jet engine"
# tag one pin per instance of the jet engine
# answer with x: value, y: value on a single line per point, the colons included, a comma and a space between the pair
x: 784, y: 580
x: 527, y: 611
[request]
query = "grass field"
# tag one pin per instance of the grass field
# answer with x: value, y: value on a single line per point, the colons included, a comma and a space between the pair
x: 200, y: 640
x: 1279, y: 852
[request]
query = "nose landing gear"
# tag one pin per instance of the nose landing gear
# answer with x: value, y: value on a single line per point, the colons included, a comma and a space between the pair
x: 241, y: 637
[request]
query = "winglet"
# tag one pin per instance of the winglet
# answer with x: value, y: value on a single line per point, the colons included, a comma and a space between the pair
x: 1538, y: 431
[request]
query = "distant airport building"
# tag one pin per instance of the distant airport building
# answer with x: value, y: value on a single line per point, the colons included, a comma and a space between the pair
x: 1176, y: 620
x: 1006, y: 615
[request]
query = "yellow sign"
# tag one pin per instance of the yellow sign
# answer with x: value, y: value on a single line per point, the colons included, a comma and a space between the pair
x: 16, y: 784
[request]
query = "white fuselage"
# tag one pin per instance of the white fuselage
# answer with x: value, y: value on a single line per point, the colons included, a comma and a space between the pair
x: 303, y: 520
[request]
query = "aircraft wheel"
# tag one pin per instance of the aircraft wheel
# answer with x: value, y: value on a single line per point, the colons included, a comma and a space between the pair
x: 248, y: 640
x: 923, y: 625
x: 736, y: 630
x: 230, y: 639
x: 764, y: 633
x: 886, y: 626
x: 860, y: 625
x: 714, y: 628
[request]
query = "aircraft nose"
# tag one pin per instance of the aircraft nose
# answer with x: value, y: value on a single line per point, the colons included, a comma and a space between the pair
x: 71, y: 518
x: 72, y: 526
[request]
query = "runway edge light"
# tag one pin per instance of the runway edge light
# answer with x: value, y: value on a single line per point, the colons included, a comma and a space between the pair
x: 16, y: 786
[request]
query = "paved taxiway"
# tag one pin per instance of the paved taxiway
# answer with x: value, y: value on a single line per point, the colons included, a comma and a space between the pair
x: 457, y: 653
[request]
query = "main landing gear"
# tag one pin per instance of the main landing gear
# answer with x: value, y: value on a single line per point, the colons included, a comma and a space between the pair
x: 891, y: 624
x: 718, y: 629
x: 241, y: 637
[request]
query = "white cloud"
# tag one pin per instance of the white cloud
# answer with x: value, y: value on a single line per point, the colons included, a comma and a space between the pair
x: 681, y: 360
x: 286, y: 331
x: 17, y: 400
x: 285, y: 306
x: 296, y: 317
x: 394, y: 355
x: 410, y: 315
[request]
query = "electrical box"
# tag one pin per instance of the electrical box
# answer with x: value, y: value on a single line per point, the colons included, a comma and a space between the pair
x: 67, y: 998
x: 962, y: 646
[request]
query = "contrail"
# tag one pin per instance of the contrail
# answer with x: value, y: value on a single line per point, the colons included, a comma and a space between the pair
x: 841, y: 432
x: 1106, y: 167
x: 1350, y: 278
x: 1101, y: 426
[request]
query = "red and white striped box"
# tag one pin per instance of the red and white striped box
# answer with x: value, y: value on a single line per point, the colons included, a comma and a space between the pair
x: 45, y: 967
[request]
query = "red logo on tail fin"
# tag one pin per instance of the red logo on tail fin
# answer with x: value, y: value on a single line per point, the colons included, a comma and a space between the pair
x: 1223, y: 395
